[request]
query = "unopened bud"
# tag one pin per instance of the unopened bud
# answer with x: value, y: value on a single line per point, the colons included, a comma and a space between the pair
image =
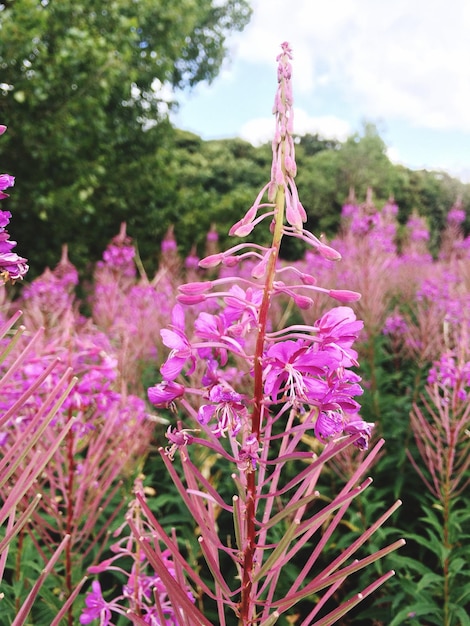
x: 192, y: 289
x: 194, y: 299
x: 308, y: 279
x: 328, y: 252
x: 259, y: 269
x: 231, y: 261
x: 211, y: 261
x: 303, y: 302
x: 344, y: 295
x: 241, y: 230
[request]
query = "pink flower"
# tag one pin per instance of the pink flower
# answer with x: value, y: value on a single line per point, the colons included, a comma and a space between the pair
x: 163, y: 394
x: 12, y: 266
x: 339, y: 327
x: 329, y: 424
x: 228, y: 410
x: 248, y: 455
x: 6, y: 181
x: 181, y: 350
x: 290, y: 366
x: 96, y: 607
x: 4, y: 219
x: 356, y: 425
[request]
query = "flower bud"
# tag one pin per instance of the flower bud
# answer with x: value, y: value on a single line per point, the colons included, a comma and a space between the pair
x: 344, y: 295
x: 191, y: 299
x: 211, y: 261
x: 327, y: 252
x: 192, y: 289
x: 231, y: 261
x: 303, y: 302
x: 240, y: 229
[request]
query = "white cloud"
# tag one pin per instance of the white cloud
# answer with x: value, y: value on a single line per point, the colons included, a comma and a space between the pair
x: 400, y: 59
x: 261, y: 130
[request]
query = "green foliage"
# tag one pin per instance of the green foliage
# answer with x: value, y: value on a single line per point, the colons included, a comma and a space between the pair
x: 85, y: 95
x: 81, y: 89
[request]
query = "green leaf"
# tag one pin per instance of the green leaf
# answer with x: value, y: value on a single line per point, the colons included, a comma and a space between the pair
x: 413, y: 611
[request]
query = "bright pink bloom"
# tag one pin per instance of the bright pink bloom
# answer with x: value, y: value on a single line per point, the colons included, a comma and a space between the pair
x: 329, y: 424
x: 96, y: 607
x: 248, y: 455
x: 356, y: 425
x: 228, y: 410
x: 289, y: 368
x: 181, y: 350
x: 163, y: 394
x: 339, y: 327
x: 6, y: 181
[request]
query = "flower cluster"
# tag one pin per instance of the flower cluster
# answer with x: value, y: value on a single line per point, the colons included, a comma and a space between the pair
x: 12, y: 266
x: 456, y: 215
x: 450, y: 373
x: 143, y: 593
x: 119, y: 255
x: 301, y: 368
x: 49, y: 298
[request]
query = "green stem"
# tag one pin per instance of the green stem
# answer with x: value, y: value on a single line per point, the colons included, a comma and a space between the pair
x: 447, y: 506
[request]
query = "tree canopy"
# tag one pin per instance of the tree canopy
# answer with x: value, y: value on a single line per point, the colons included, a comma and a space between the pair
x: 84, y: 90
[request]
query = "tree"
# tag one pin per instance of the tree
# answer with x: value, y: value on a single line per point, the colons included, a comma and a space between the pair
x: 84, y: 89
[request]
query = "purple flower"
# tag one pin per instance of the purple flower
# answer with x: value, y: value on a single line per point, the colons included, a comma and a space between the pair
x: 212, y: 235
x: 12, y: 266
x: 417, y: 228
x: 356, y: 425
x: 329, y: 424
x: 332, y: 424
x: 178, y: 439
x: 163, y: 394
x: 248, y: 455
x: 340, y: 328
x: 192, y: 260
x: 349, y: 210
x: 4, y: 219
x: 451, y: 374
x: 169, y: 242
x: 212, y: 328
x: 456, y: 215
x: 395, y: 324
x: 96, y: 607
x: 181, y: 349
x: 242, y: 307
x: 228, y: 410
x: 289, y: 368
x: 5, y: 181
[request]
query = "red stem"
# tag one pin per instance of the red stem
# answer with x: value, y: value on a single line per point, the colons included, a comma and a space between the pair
x: 247, y: 605
x: 69, y: 517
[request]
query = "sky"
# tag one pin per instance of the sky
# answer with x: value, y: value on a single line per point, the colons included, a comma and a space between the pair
x: 403, y: 65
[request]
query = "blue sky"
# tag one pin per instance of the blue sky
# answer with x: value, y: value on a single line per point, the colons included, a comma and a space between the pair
x: 403, y: 65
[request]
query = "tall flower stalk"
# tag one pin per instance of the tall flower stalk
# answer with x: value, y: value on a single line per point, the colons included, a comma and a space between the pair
x: 440, y: 423
x: 248, y: 394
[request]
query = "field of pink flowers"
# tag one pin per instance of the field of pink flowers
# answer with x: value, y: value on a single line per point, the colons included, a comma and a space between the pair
x: 196, y: 447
